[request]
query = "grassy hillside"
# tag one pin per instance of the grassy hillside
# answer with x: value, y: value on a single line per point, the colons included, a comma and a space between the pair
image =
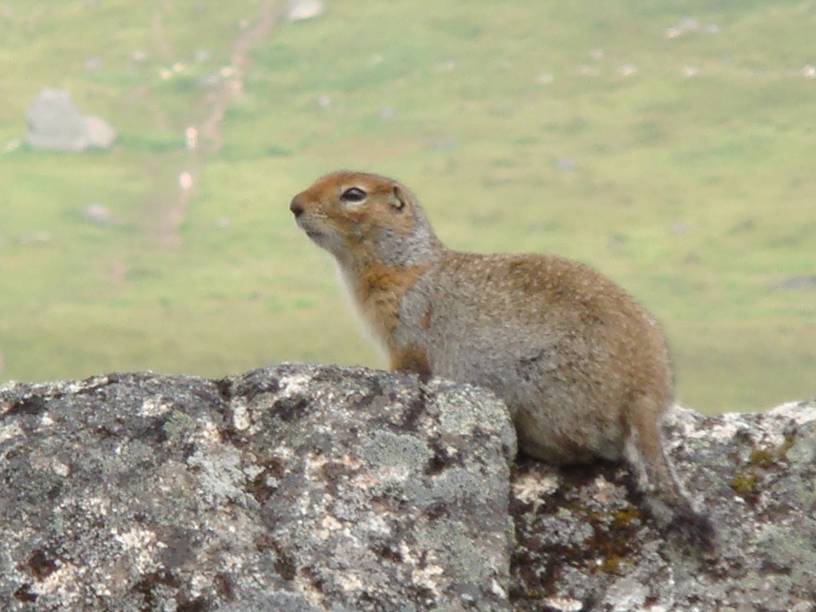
x: 670, y: 145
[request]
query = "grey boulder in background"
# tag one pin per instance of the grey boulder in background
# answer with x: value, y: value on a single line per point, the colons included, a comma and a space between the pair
x: 55, y: 124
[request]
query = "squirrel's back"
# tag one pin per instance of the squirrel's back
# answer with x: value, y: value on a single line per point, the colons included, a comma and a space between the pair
x: 540, y: 329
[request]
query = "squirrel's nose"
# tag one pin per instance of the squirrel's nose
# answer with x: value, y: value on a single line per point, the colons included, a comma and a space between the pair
x: 296, y: 207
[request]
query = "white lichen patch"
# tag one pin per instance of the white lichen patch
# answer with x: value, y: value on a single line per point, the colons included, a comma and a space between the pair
x: 628, y: 594
x: 96, y: 505
x: 9, y: 386
x: 304, y: 503
x: 80, y: 385
x: 46, y: 420
x: 59, y: 468
x: 64, y: 580
x: 232, y: 563
x: 208, y: 432
x: 330, y: 523
x: 349, y: 582
x: 7, y: 432
x: 424, y: 574
x: 284, y: 453
x: 498, y: 590
x: 314, y: 463
x: 310, y: 592
x: 798, y: 412
x: 377, y: 525
x: 724, y: 430
x: 364, y: 481
x: 684, y: 421
x: 393, y: 473
x: 606, y: 491
x: 294, y: 384
x: 252, y: 470
x: 142, y: 545
x: 407, y: 556
x: 534, y: 486
x: 564, y: 603
x: 351, y: 462
x: 198, y: 584
x: 154, y: 406
x: 240, y: 415
x: 428, y: 577
x: 101, y: 589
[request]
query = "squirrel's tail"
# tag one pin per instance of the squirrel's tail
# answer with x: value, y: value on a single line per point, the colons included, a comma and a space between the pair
x: 668, y: 502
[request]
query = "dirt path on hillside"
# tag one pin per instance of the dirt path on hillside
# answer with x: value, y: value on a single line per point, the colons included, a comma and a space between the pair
x: 160, y: 40
x: 175, y: 189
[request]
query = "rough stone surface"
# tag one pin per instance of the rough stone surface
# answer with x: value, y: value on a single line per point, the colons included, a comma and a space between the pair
x: 293, y: 488
x: 310, y: 488
x: 584, y: 543
x: 55, y: 124
x: 299, y: 10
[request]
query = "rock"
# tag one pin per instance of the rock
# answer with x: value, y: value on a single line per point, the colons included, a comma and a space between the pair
x: 309, y: 488
x: 202, y: 56
x: 99, y: 214
x: 679, y: 229
x: 583, y: 541
x: 304, y: 9
x: 544, y: 78
x: 100, y: 135
x: 294, y: 488
x: 92, y: 64
x: 35, y: 237
x: 565, y: 164
x: 689, y: 25
x: 210, y: 81
x: 55, y: 124
x: 797, y: 282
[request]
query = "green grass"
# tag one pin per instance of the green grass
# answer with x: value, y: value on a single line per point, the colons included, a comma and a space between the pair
x: 696, y: 194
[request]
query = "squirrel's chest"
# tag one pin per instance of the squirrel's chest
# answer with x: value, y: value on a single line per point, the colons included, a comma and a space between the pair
x: 379, y: 296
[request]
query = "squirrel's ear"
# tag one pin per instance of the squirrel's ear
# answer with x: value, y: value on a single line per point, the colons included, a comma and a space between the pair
x: 399, y: 199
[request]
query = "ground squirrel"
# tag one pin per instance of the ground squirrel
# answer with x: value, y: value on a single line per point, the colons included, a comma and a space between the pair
x: 582, y: 367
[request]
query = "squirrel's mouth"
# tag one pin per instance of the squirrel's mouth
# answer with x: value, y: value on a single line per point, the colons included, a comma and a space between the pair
x: 308, y: 229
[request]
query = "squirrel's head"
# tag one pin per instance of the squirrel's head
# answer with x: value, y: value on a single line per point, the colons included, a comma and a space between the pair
x: 356, y: 216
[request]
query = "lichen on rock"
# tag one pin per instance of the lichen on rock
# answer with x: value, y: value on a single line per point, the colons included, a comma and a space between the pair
x: 584, y: 543
x: 310, y: 488
x: 292, y: 488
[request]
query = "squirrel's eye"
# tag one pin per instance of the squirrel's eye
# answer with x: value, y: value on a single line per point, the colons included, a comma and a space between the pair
x: 354, y: 195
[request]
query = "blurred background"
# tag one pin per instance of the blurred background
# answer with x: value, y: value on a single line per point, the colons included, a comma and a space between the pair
x: 149, y: 150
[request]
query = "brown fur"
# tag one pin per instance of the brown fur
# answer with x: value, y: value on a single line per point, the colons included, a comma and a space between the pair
x: 583, y: 368
x: 411, y: 359
x: 379, y: 294
x: 427, y: 317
